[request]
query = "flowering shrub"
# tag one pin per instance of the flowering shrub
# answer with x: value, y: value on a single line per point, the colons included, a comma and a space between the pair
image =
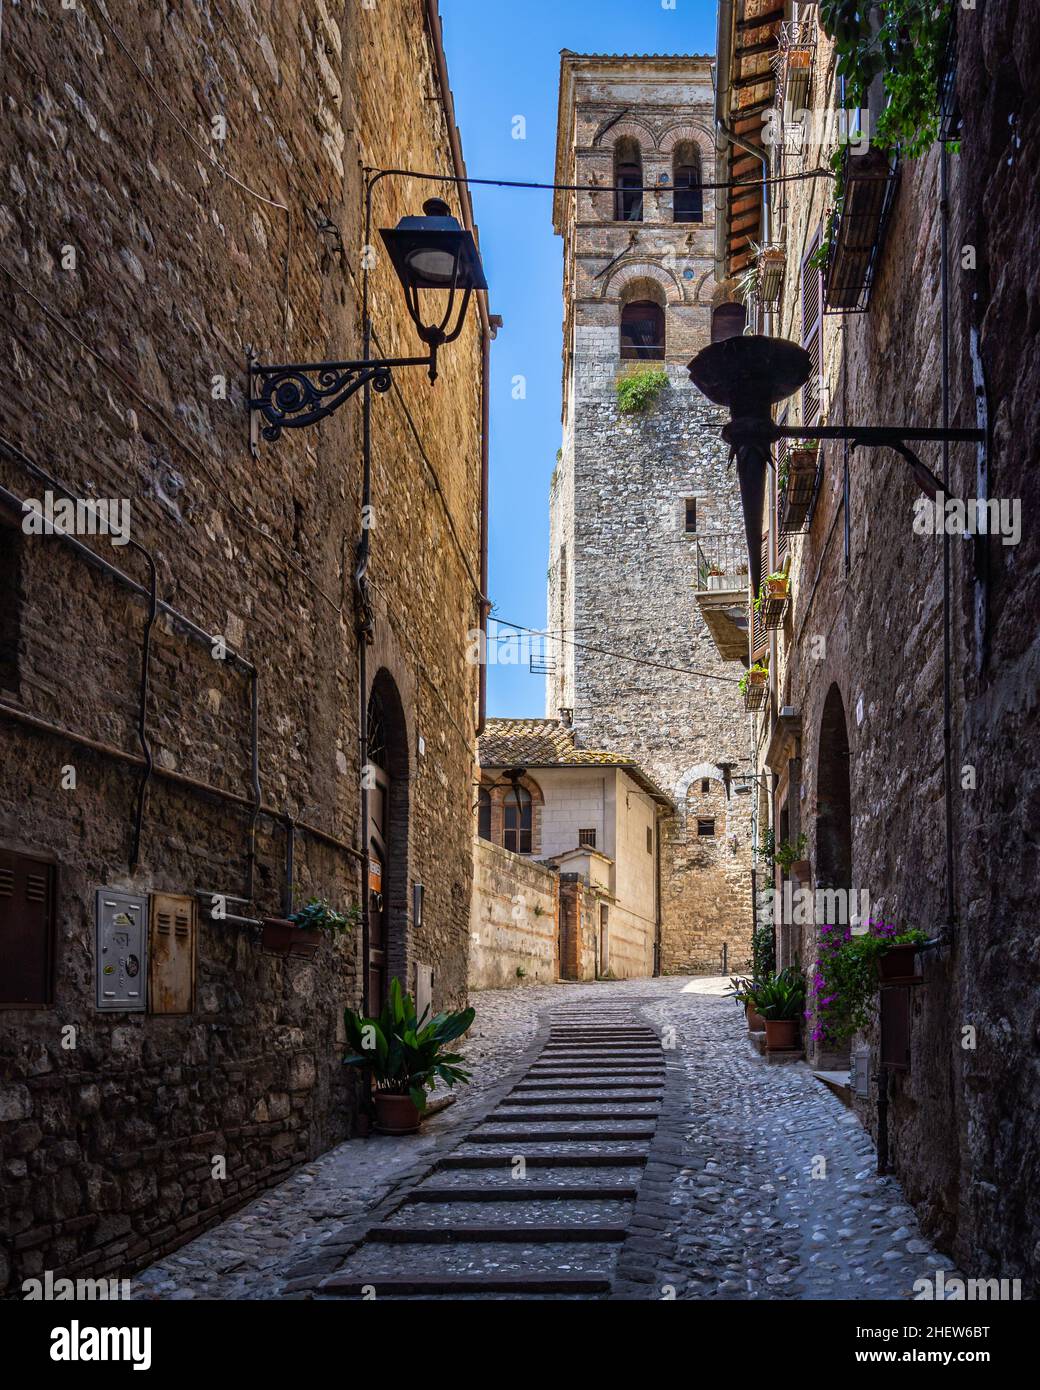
x: 845, y: 981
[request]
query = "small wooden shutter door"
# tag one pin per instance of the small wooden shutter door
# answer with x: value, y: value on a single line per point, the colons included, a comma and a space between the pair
x: 760, y: 633
x: 812, y: 333
x: 26, y: 930
x: 782, y: 448
x: 171, y: 958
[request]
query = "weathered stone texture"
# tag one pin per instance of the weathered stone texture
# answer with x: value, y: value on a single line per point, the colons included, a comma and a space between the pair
x: 622, y: 566
x: 179, y: 265
x: 964, y: 1134
x: 514, y: 922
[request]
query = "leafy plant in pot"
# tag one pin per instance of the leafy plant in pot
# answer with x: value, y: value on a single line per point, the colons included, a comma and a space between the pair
x: 300, y: 934
x: 405, y: 1055
x: 742, y: 990
x: 781, y: 1002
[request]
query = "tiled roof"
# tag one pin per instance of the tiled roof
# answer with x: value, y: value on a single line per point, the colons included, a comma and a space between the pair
x: 550, y: 743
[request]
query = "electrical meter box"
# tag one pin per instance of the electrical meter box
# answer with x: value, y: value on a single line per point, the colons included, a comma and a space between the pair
x: 121, y: 963
x: 171, y: 954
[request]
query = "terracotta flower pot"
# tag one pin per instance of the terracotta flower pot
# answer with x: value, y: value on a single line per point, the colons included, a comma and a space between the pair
x: 897, y: 963
x: 777, y: 588
x: 801, y: 869
x: 280, y: 938
x: 781, y: 1034
x: 755, y: 1022
x: 396, y: 1114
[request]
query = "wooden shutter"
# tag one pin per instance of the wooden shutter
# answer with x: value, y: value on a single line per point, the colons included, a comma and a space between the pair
x: 760, y: 633
x: 782, y: 449
x: 812, y: 333
x: 26, y: 930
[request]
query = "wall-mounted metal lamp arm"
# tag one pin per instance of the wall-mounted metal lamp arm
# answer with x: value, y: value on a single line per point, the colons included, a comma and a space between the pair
x: 890, y: 437
x: 295, y: 394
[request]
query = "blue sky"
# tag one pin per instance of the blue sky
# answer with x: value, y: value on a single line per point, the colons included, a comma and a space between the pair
x: 503, y: 61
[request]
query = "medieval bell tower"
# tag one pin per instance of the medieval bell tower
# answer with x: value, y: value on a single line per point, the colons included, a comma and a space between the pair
x: 645, y: 512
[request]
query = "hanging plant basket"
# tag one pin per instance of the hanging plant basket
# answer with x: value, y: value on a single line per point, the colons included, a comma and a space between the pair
x: 770, y: 263
x: 898, y: 966
x: 281, y: 938
x: 799, y: 489
x: 869, y: 185
x: 756, y: 686
x: 773, y: 599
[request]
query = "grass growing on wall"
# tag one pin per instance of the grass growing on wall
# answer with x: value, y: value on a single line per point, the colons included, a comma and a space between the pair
x: 637, y: 393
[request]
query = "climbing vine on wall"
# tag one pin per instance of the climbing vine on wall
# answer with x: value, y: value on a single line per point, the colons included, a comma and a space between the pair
x: 904, y: 41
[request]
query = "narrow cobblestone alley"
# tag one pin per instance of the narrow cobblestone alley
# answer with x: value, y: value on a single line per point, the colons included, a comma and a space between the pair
x: 727, y: 1205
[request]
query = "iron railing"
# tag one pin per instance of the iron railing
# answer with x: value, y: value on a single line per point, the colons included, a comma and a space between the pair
x: 722, y: 557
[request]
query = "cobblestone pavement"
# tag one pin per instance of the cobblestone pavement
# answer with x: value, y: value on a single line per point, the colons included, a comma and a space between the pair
x: 728, y: 1206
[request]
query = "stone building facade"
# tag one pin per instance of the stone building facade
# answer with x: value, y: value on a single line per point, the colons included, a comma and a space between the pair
x: 590, y: 817
x: 180, y: 186
x: 641, y: 505
x: 940, y: 835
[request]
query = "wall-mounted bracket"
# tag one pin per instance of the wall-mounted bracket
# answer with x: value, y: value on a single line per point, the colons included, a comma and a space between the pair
x: 293, y: 395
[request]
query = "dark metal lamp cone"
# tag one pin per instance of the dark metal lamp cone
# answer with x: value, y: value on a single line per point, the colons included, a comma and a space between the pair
x: 750, y: 374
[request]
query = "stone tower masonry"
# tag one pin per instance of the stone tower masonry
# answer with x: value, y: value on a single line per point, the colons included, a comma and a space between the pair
x: 623, y: 557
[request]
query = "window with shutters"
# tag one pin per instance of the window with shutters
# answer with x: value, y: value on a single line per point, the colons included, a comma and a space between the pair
x: 517, y: 821
x: 11, y: 543
x: 26, y: 930
x: 812, y: 332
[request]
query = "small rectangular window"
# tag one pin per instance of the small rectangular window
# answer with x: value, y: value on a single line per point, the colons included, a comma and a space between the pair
x: 587, y: 838
x: 705, y: 826
x: 691, y: 514
x: 705, y: 784
x: 649, y: 839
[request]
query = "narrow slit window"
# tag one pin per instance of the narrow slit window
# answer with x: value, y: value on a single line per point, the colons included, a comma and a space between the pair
x: 691, y: 514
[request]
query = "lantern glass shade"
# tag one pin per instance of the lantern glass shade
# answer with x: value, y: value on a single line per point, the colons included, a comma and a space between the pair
x: 434, y: 252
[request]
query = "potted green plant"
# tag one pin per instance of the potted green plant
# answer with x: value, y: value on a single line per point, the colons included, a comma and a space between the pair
x: 405, y: 1055
x: 752, y: 685
x: 742, y: 991
x: 850, y: 970
x: 789, y: 856
x: 301, y: 933
x: 781, y: 1002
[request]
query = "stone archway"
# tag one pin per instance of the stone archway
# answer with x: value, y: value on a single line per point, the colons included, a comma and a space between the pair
x: 387, y: 767
x: 833, y: 797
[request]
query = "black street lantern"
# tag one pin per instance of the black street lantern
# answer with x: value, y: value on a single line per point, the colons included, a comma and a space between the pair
x: 434, y: 253
x: 752, y: 373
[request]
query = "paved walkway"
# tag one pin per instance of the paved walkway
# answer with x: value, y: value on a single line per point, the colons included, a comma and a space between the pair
x: 729, y: 1206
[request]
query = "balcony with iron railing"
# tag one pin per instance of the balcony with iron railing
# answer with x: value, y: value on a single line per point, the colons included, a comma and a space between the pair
x: 721, y: 589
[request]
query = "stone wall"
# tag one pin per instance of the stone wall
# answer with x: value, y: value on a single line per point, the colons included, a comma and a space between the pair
x: 514, y: 926
x: 144, y: 249
x: 867, y: 629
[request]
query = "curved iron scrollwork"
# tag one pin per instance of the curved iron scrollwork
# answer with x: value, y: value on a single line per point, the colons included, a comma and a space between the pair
x: 291, y: 397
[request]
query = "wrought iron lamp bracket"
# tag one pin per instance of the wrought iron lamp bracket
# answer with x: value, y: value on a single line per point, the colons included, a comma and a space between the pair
x: 294, y: 395
x: 889, y: 437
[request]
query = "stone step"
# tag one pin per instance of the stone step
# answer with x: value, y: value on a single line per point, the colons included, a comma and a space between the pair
x: 618, y: 1158
x: 595, y: 1110
x: 452, y: 1285
x: 492, y: 1212
x: 508, y: 1189
x: 545, y: 1136
x: 417, y: 1234
x: 584, y: 1097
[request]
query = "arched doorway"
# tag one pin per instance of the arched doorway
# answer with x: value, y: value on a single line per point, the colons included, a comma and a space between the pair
x: 833, y: 797
x: 387, y: 782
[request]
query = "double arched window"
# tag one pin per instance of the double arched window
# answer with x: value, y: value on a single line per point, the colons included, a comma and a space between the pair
x: 628, y: 181
x: 688, y: 197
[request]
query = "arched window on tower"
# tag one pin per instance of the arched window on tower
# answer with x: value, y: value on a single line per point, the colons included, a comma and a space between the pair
x: 727, y: 321
x: 688, y: 198
x: 642, y: 330
x: 628, y: 181
x: 517, y: 820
